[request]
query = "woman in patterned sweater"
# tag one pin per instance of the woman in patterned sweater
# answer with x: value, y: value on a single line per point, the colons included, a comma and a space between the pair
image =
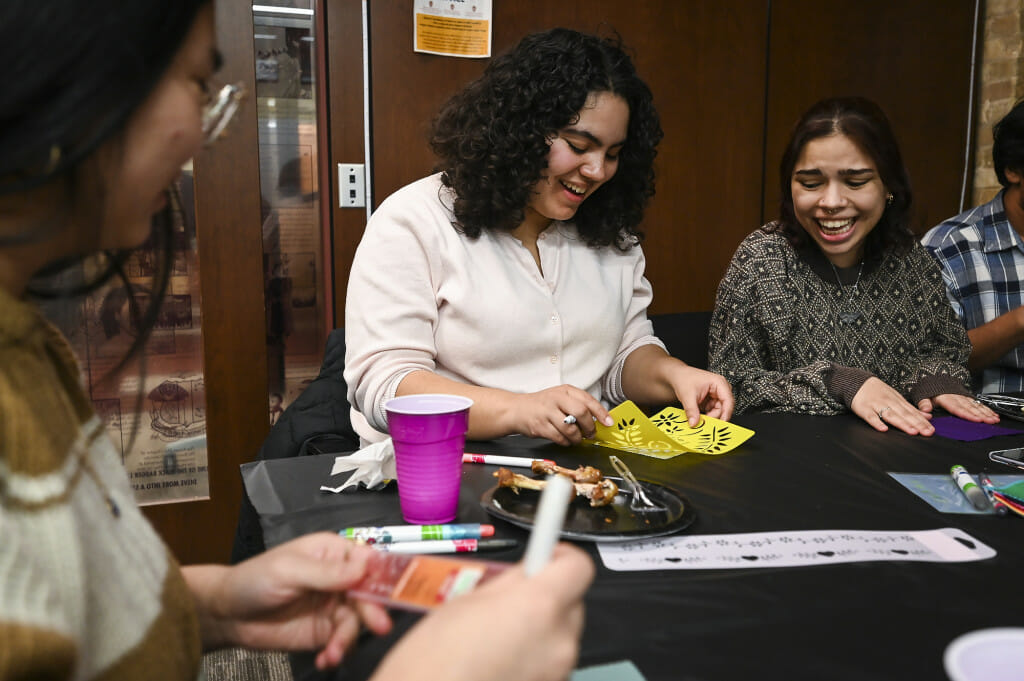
x: 835, y: 306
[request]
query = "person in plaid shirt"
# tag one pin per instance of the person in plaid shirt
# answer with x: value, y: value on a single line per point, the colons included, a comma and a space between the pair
x: 981, y: 254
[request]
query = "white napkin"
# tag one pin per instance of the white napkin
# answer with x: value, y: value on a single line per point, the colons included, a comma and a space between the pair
x: 374, y: 466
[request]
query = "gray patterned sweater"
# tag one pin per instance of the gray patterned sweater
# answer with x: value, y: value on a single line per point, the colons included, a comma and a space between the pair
x: 789, y: 338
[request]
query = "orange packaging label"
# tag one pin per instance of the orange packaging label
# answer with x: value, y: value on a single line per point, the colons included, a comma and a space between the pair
x: 421, y: 582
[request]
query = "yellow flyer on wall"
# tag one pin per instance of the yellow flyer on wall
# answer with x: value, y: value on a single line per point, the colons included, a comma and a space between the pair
x: 453, y: 28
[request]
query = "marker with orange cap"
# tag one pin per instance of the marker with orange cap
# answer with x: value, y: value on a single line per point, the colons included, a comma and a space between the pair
x: 400, y: 533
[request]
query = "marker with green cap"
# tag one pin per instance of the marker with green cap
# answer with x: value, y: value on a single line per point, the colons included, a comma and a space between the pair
x: 966, y: 483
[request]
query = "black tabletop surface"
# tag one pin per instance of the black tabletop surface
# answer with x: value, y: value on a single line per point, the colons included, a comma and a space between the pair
x: 867, y: 620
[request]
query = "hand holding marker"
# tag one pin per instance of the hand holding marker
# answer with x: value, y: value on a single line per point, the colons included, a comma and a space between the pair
x: 966, y: 483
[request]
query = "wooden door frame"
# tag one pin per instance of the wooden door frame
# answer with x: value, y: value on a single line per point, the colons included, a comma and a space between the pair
x: 346, y: 127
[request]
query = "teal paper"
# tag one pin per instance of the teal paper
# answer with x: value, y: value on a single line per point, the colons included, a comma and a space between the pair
x: 614, y: 671
x: 1015, y: 489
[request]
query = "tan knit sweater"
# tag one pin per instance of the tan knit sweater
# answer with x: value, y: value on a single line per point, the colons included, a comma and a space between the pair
x: 87, y: 588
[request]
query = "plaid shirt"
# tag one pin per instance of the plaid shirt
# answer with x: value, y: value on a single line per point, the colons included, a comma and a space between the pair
x: 982, y: 261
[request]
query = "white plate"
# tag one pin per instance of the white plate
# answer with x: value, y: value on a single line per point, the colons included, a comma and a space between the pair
x: 987, y: 655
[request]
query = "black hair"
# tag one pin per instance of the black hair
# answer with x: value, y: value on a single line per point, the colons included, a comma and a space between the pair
x: 867, y: 126
x: 1008, y: 143
x: 492, y: 138
x: 82, y: 69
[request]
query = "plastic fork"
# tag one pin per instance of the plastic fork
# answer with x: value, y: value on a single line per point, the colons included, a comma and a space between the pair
x: 639, y: 501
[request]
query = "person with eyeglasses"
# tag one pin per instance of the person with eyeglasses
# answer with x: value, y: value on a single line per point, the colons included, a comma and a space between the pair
x: 95, y: 126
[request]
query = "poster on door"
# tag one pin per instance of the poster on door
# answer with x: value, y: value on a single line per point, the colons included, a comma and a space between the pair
x: 153, y: 405
x: 452, y: 28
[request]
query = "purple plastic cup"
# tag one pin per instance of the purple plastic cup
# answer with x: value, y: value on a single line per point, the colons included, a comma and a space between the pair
x: 429, y: 435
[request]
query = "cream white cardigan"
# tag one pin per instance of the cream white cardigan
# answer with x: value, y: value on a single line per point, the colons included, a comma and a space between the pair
x: 421, y: 295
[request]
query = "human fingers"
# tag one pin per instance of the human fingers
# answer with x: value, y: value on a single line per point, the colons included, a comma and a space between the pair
x: 690, y: 405
x: 907, y: 418
x: 720, y: 402
x: 324, y: 561
x: 575, y: 413
x: 881, y: 407
x: 539, y: 415
x: 585, y: 413
x: 568, y: 574
x: 345, y: 627
x: 966, y: 408
x: 373, y: 615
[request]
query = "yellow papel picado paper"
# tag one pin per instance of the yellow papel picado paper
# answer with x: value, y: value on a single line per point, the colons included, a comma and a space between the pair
x: 667, y: 433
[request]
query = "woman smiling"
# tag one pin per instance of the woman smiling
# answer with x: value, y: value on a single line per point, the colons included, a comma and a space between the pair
x: 834, y: 306
x: 515, y: 276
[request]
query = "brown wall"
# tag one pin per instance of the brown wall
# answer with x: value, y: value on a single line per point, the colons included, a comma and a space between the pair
x: 712, y: 65
x: 918, y: 72
x: 703, y: 61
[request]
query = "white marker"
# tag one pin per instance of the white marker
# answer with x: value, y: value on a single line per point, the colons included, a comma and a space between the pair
x: 501, y: 460
x: 547, y: 524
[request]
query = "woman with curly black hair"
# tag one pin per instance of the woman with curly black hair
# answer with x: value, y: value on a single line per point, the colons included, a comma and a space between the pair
x: 514, y: 276
x: 835, y: 307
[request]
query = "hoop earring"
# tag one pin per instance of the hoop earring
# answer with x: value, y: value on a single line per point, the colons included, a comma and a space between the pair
x: 889, y: 198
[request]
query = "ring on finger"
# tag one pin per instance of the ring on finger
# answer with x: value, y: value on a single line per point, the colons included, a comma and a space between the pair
x: 881, y: 412
x: 569, y: 420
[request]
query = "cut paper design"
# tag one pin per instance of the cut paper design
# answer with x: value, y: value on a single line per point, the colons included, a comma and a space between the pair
x: 667, y: 433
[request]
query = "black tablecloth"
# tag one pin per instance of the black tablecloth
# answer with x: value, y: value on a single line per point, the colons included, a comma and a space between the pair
x: 879, y: 620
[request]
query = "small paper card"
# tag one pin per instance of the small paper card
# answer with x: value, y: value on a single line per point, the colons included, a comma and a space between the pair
x: 667, y: 433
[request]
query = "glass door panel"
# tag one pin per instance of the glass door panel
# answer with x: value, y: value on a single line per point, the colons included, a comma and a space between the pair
x: 293, y: 253
x: 154, y: 406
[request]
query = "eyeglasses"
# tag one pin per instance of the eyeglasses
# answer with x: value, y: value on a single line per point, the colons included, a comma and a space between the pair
x: 220, y: 110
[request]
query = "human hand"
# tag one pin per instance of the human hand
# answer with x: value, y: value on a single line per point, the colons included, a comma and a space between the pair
x: 513, y: 627
x: 290, y: 598
x: 882, y: 406
x: 702, y: 391
x: 960, y: 405
x: 544, y: 413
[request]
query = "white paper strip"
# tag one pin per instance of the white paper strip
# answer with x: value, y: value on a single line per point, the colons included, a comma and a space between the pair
x: 787, y: 549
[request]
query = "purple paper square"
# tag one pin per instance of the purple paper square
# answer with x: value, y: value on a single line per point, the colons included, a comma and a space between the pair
x: 967, y: 431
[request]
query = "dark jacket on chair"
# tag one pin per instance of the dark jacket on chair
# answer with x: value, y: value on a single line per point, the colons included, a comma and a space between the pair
x: 317, y: 421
